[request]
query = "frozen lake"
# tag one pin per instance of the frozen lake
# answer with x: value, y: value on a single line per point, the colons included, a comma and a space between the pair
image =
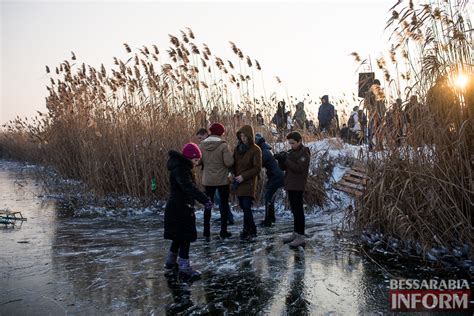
x: 53, y: 264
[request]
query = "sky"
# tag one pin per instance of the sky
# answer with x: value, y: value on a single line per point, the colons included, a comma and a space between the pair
x: 306, y: 44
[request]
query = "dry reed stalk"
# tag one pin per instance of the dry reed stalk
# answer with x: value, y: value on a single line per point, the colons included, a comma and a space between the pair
x: 112, y: 128
x: 421, y: 186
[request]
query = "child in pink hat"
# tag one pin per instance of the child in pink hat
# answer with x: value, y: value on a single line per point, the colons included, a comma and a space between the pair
x: 180, y: 221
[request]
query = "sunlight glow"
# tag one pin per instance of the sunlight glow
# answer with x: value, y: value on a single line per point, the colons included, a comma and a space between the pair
x: 461, y: 81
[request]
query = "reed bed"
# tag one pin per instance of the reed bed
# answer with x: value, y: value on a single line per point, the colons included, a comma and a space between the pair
x: 113, y: 128
x: 421, y: 187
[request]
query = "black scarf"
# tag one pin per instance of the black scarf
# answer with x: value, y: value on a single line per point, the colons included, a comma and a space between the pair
x: 242, y: 148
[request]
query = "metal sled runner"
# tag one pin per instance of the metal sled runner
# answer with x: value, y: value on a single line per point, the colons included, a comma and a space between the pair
x: 8, y: 217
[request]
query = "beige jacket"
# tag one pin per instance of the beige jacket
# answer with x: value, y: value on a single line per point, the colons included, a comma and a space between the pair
x: 216, y: 161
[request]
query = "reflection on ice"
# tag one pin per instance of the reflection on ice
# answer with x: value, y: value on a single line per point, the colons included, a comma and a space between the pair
x: 115, y: 265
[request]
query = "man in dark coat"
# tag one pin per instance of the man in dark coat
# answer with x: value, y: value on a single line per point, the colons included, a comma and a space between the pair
x: 247, y: 166
x: 275, y: 179
x: 180, y: 221
x: 325, y: 114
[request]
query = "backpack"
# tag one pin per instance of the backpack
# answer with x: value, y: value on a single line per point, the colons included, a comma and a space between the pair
x: 351, y: 122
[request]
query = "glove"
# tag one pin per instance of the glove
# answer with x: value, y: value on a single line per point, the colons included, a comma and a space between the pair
x: 281, y: 156
x: 208, y: 205
x: 234, y: 186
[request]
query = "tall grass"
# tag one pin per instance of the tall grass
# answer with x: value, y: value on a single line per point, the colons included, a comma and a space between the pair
x: 421, y: 185
x: 112, y: 128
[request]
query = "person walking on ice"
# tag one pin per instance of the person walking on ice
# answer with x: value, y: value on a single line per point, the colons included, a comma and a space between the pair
x: 216, y: 161
x: 275, y: 180
x: 247, y: 166
x: 295, y: 163
x: 180, y: 221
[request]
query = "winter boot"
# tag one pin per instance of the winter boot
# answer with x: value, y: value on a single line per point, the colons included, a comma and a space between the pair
x: 298, y: 241
x: 207, y: 224
x: 271, y: 213
x: 290, y: 238
x: 224, y: 219
x: 253, y: 230
x: 266, y: 222
x: 245, y: 235
x: 171, y: 259
x: 186, y: 270
x: 231, y: 218
x: 251, y: 226
x: 225, y: 234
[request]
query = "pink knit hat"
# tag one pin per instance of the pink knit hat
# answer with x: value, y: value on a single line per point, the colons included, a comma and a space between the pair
x: 191, y: 150
x: 217, y: 129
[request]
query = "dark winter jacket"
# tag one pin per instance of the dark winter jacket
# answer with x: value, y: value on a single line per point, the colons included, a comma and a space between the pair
x: 180, y: 222
x: 280, y: 117
x: 300, y: 116
x: 296, y: 166
x: 247, y: 163
x: 275, y: 176
x: 325, y: 113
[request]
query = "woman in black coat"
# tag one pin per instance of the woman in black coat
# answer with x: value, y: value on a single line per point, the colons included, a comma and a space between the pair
x: 180, y: 221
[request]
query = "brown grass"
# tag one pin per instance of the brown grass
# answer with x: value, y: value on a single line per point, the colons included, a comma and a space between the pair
x: 421, y: 187
x: 112, y: 128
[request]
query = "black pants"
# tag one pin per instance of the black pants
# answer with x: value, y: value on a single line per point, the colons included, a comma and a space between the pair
x: 296, y: 205
x: 245, y: 203
x: 182, y: 247
x: 223, y: 208
x: 324, y: 126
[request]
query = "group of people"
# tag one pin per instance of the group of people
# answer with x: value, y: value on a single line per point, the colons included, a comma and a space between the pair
x: 327, y: 117
x: 374, y: 124
x: 355, y: 130
x: 238, y: 118
x: 225, y: 172
x: 365, y: 124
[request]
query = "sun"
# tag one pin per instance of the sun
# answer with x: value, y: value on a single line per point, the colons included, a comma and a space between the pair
x: 461, y: 81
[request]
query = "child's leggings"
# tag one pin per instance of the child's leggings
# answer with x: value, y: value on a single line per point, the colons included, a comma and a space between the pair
x: 182, y: 247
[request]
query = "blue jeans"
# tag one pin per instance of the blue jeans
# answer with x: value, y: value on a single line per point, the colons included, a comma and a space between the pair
x: 217, y: 199
x: 245, y: 203
x: 269, y: 194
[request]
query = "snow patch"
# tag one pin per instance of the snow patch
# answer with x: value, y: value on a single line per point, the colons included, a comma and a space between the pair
x: 137, y: 253
x: 226, y: 268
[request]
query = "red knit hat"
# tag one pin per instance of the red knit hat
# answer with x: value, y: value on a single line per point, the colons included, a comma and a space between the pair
x: 217, y: 129
x: 191, y: 150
